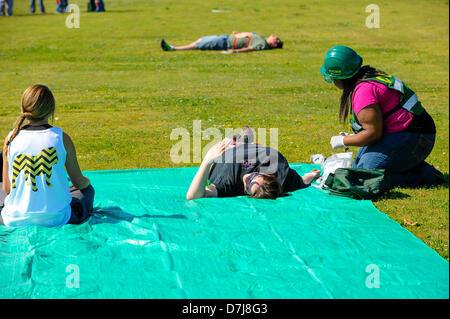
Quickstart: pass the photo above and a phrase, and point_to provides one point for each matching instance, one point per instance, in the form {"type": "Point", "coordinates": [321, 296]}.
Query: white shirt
{"type": "Point", "coordinates": [39, 186]}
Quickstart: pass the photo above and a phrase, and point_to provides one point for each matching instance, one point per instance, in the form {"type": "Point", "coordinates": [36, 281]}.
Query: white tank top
{"type": "Point", "coordinates": [39, 188]}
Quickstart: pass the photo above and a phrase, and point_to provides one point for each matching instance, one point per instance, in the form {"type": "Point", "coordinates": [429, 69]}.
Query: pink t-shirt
{"type": "Point", "coordinates": [367, 93]}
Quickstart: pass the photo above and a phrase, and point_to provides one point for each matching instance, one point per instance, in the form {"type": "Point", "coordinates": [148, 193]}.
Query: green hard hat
{"type": "Point", "coordinates": [341, 62]}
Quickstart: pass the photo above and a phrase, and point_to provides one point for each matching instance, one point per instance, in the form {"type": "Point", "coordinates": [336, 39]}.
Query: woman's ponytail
{"type": "Point", "coordinates": [16, 130]}
{"type": "Point", "coordinates": [364, 73]}
{"type": "Point", "coordinates": [38, 103]}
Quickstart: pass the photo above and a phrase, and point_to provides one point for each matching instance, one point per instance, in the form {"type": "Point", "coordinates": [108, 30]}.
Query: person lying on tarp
{"type": "Point", "coordinates": [237, 42]}
{"type": "Point", "coordinates": [237, 166]}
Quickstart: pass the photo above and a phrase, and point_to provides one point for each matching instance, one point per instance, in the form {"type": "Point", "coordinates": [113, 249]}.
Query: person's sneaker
{"type": "Point", "coordinates": [439, 178]}
{"type": "Point", "coordinates": [431, 176]}
{"type": "Point", "coordinates": [165, 46]}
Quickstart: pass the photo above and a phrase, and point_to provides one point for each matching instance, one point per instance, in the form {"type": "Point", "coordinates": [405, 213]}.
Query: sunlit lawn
{"type": "Point", "coordinates": [119, 96]}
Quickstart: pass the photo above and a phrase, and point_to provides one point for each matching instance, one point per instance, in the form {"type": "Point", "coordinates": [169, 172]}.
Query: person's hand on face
{"type": "Point", "coordinates": [217, 150]}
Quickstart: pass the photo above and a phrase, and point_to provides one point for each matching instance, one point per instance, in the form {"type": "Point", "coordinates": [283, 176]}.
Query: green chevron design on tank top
{"type": "Point", "coordinates": [33, 166]}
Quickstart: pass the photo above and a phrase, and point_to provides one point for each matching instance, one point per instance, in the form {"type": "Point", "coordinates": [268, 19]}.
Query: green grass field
{"type": "Point", "coordinates": [119, 96]}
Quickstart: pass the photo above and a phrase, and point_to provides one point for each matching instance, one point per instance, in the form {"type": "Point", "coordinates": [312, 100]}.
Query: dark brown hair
{"type": "Point", "coordinates": [279, 43]}
{"type": "Point", "coordinates": [349, 86]}
{"type": "Point", "coordinates": [270, 188]}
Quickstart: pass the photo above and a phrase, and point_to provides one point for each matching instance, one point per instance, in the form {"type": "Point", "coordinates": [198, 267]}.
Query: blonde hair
{"type": "Point", "coordinates": [38, 104]}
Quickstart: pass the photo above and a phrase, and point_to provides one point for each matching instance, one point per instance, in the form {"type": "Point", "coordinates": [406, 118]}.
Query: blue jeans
{"type": "Point", "coordinates": [403, 156]}
{"type": "Point", "coordinates": [33, 4]}
{"type": "Point", "coordinates": [213, 42]}
{"type": "Point", "coordinates": [81, 205]}
{"type": "Point", "coordinates": [10, 7]}
{"type": "Point", "coordinates": [62, 6]}
{"type": "Point", "coordinates": [101, 6]}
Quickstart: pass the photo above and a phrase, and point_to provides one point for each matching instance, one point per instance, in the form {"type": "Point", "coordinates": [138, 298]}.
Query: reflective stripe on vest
{"type": "Point", "coordinates": [356, 127]}
{"type": "Point", "coordinates": [398, 84]}
{"type": "Point", "coordinates": [411, 102]}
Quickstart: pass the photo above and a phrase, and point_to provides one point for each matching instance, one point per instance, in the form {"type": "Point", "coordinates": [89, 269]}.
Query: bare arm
{"type": "Point", "coordinates": [5, 180]}
{"type": "Point", "coordinates": [198, 187]}
{"type": "Point", "coordinates": [371, 119]}
{"type": "Point", "coordinates": [249, 49]}
{"type": "Point", "coordinates": [72, 167]}
{"type": "Point", "coordinates": [239, 35]}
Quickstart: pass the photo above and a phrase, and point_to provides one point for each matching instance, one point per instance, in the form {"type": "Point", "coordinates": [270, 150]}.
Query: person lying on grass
{"type": "Point", "coordinates": [238, 166]}
{"type": "Point", "coordinates": [35, 159]}
{"type": "Point", "coordinates": [237, 42]}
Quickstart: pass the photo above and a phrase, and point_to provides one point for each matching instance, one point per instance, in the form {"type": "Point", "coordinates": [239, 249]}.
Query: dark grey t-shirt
{"type": "Point", "coordinates": [228, 171]}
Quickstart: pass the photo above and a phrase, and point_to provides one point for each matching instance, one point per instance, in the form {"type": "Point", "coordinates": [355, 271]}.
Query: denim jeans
{"type": "Point", "coordinates": [403, 156]}
{"type": "Point", "coordinates": [100, 6]}
{"type": "Point", "coordinates": [81, 205]}
{"type": "Point", "coordinates": [213, 42]}
{"type": "Point", "coordinates": [33, 5]}
{"type": "Point", "coordinates": [10, 6]}
{"type": "Point", "coordinates": [61, 6]}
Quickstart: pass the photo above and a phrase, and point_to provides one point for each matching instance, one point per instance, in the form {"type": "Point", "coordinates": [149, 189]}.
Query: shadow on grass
{"type": "Point", "coordinates": [397, 194]}
{"type": "Point", "coordinates": [82, 10]}
{"type": "Point", "coordinates": [446, 181]}
{"type": "Point", "coordinates": [117, 11]}
{"type": "Point", "coordinates": [27, 15]}
{"type": "Point", "coordinates": [443, 184]}
{"type": "Point", "coordinates": [392, 195]}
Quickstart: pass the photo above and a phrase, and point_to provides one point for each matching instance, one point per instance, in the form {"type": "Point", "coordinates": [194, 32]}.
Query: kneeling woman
{"type": "Point", "coordinates": [392, 129]}
{"type": "Point", "coordinates": [34, 178]}
{"type": "Point", "coordinates": [246, 169]}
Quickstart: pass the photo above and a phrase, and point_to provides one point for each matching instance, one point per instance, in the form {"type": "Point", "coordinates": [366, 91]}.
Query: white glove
{"type": "Point", "coordinates": [337, 142]}
{"type": "Point", "coordinates": [345, 134]}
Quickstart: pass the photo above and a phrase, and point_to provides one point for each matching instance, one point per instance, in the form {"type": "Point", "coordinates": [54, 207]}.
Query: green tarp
{"type": "Point", "coordinates": [146, 241]}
